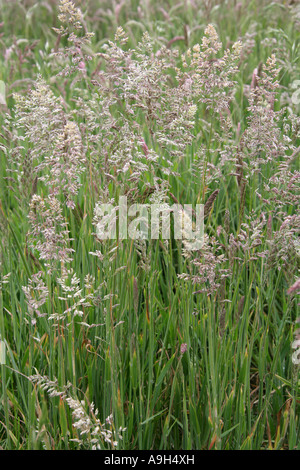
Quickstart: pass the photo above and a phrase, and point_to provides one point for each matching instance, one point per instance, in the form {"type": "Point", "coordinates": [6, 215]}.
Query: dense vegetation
{"type": "Point", "coordinates": [149, 344]}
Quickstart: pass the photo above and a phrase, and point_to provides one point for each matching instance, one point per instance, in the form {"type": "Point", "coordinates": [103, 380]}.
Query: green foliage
{"type": "Point", "coordinates": [118, 344]}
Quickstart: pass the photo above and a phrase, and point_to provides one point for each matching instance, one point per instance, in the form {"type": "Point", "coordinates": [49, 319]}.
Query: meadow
{"type": "Point", "coordinates": [149, 344]}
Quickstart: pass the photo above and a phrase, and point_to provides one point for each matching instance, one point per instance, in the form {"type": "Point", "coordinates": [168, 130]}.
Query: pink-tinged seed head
{"type": "Point", "coordinates": [183, 348]}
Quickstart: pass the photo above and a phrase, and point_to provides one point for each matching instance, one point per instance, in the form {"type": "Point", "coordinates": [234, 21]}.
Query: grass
{"type": "Point", "coordinates": [235, 387]}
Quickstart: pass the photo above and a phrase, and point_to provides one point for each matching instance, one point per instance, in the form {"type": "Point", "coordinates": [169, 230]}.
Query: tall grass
{"type": "Point", "coordinates": [114, 344]}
